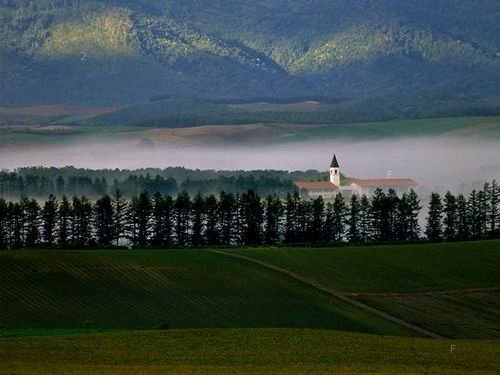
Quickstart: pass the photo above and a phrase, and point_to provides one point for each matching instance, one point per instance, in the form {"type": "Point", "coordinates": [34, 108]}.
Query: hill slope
{"type": "Point", "coordinates": [121, 51]}
{"type": "Point", "coordinates": [148, 289]}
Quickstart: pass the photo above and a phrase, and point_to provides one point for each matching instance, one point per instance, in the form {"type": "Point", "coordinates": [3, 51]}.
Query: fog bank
{"type": "Point", "coordinates": [432, 162]}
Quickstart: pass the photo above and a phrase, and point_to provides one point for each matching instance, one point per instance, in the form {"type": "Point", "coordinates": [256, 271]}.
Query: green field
{"type": "Point", "coordinates": [395, 268]}
{"type": "Point", "coordinates": [244, 351]}
{"type": "Point", "coordinates": [251, 310]}
{"type": "Point", "coordinates": [451, 289]}
{"type": "Point", "coordinates": [150, 289]}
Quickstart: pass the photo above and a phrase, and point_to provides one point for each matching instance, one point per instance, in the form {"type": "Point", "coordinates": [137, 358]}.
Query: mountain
{"type": "Point", "coordinates": [112, 52]}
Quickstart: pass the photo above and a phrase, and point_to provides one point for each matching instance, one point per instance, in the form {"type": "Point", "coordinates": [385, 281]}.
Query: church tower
{"type": "Point", "coordinates": [335, 172]}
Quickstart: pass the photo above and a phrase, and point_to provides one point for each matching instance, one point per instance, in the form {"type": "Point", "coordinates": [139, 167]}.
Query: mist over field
{"type": "Point", "coordinates": [434, 163]}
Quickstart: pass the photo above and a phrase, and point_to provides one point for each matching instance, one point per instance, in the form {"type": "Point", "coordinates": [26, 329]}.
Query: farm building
{"type": "Point", "coordinates": [328, 189]}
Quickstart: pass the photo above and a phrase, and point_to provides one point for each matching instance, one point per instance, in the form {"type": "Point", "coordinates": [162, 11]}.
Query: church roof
{"type": "Point", "coordinates": [380, 182]}
{"type": "Point", "coordinates": [316, 185]}
{"type": "Point", "coordinates": [334, 163]}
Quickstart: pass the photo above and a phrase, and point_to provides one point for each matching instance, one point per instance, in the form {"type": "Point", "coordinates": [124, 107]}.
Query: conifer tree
{"type": "Point", "coordinates": [317, 220]}
{"type": "Point", "coordinates": [49, 217]}
{"type": "Point", "coordinates": [339, 219]}
{"type": "Point", "coordinates": [484, 208]}
{"type": "Point", "coordinates": [450, 217]}
{"type": "Point", "coordinates": [252, 218]}
{"type": "Point", "coordinates": [273, 213]}
{"type": "Point", "coordinates": [303, 221]}
{"type": "Point", "coordinates": [463, 227]}
{"type": "Point", "coordinates": [354, 219]}
{"type": "Point", "coordinates": [414, 208]}
{"type": "Point", "coordinates": [494, 214]}
{"type": "Point", "coordinates": [4, 225]}
{"type": "Point", "coordinates": [434, 227]}
{"type": "Point", "coordinates": [104, 224]}
{"type": "Point", "coordinates": [212, 215]}
{"type": "Point", "coordinates": [81, 221]}
{"type": "Point", "coordinates": [365, 219]}
{"type": "Point", "coordinates": [291, 218]}
{"type": "Point", "coordinates": [32, 222]}
{"type": "Point", "coordinates": [198, 221]}
{"type": "Point", "coordinates": [16, 225]}
{"type": "Point", "coordinates": [474, 215]}
{"type": "Point", "coordinates": [182, 214]}
{"type": "Point", "coordinates": [120, 214]}
{"type": "Point", "coordinates": [378, 215]}
{"type": "Point", "coordinates": [227, 217]}
{"type": "Point", "coordinates": [64, 218]}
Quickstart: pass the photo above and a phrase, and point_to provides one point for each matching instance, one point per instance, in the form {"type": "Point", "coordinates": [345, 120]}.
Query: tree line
{"type": "Point", "coordinates": [162, 221]}
{"type": "Point", "coordinates": [14, 184]}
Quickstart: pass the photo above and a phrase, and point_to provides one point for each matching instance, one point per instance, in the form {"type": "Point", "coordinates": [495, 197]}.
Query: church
{"type": "Point", "coordinates": [328, 189]}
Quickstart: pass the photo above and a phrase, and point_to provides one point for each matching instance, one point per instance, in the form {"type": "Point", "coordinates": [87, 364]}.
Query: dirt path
{"type": "Point", "coordinates": [447, 292]}
{"type": "Point", "coordinates": [337, 295]}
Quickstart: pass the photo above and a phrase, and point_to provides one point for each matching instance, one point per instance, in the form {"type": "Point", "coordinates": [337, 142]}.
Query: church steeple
{"type": "Point", "coordinates": [335, 163]}
{"type": "Point", "coordinates": [335, 171]}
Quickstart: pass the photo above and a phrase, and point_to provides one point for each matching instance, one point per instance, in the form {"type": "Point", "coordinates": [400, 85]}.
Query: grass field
{"type": "Point", "coordinates": [395, 268]}
{"type": "Point", "coordinates": [119, 311]}
{"type": "Point", "coordinates": [244, 351]}
{"type": "Point", "coordinates": [148, 289]}
{"type": "Point", "coordinates": [451, 289]}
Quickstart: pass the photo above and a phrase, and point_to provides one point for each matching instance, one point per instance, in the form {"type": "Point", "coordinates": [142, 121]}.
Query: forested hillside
{"type": "Point", "coordinates": [124, 51]}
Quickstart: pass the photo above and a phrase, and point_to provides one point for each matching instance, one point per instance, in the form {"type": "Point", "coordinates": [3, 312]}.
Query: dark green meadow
{"type": "Point", "coordinates": [147, 289]}
{"type": "Point", "coordinates": [452, 289]}
{"type": "Point", "coordinates": [394, 268]}
{"type": "Point", "coordinates": [197, 311]}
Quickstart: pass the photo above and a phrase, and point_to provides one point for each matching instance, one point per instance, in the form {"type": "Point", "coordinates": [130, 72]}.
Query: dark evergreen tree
{"type": "Point", "coordinates": [212, 225]}
{"type": "Point", "coordinates": [474, 215]}
{"type": "Point", "coordinates": [104, 224]}
{"type": "Point", "coordinates": [390, 216]}
{"type": "Point", "coordinates": [81, 221]}
{"type": "Point", "coordinates": [252, 215]}
{"type": "Point", "coordinates": [227, 217]}
{"type": "Point", "coordinates": [32, 221]}
{"type": "Point", "coordinates": [16, 225]}
{"type": "Point", "coordinates": [463, 225]}
{"type": "Point", "coordinates": [365, 219]}
{"type": "Point", "coordinates": [434, 227]}
{"type": "Point", "coordinates": [317, 225]}
{"type": "Point", "coordinates": [273, 220]}
{"type": "Point", "coordinates": [450, 219]}
{"type": "Point", "coordinates": [291, 218]}
{"type": "Point", "coordinates": [403, 218]}
{"type": "Point", "coordinates": [141, 210]}
{"type": "Point", "coordinates": [304, 219]}
{"type": "Point", "coordinates": [484, 208]}
{"type": "Point", "coordinates": [182, 214]}
{"type": "Point", "coordinates": [354, 219]}
{"type": "Point", "coordinates": [378, 215]}
{"type": "Point", "coordinates": [120, 213]}
{"type": "Point", "coordinates": [198, 221]}
{"type": "Point", "coordinates": [49, 218]}
{"type": "Point", "coordinates": [494, 214]}
{"type": "Point", "coordinates": [64, 219]}
{"type": "Point", "coordinates": [4, 225]}
{"type": "Point", "coordinates": [414, 208]}
{"type": "Point", "coordinates": [339, 219]}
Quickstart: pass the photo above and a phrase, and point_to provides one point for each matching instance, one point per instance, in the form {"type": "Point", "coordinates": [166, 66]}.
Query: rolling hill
{"type": "Point", "coordinates": [122, 52]}
{"type": "Point", "coordinates": [313, 288]}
